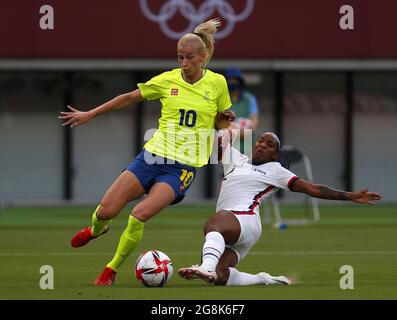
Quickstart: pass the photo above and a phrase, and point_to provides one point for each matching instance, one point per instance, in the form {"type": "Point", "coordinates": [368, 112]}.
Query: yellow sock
{"type": "Point", "coordinates": [98, 225]}
{"type": "Point", "coordinates": [129, 240]}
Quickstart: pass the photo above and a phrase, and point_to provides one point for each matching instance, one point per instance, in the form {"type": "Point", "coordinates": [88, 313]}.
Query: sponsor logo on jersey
{"type": "Point", "coordinates": [260, 171]}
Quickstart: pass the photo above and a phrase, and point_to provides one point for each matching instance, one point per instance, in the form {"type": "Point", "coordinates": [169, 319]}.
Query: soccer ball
{"type": "Point", "coordinates": [153, 268]}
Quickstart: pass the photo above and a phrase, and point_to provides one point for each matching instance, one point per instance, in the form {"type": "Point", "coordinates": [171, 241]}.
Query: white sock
{"type": "Point", "coordinates": [213, 249]}
{"type": "Point", "coordinates": [237, 278]}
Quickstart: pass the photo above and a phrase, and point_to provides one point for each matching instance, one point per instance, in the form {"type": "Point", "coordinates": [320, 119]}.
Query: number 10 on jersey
{"type": "Point", "coordinates": [188, 118]}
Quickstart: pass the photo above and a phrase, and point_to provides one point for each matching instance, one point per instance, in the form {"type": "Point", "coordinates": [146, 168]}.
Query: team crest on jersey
{"type": "Point", "coordinates": [174, 92]}
{"type": "Point", "coordinates": [206, 96]}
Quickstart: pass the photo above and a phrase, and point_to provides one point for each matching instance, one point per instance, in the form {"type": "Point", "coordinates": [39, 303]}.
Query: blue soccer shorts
{"type": "Point", "coordinates": [150, 169]}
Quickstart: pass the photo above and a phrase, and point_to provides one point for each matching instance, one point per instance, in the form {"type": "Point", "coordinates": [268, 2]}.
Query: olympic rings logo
{"type": "Point", "coordinates": [195, 17]}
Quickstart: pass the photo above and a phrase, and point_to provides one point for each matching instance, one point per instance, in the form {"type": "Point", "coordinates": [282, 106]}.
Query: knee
{"type": "Point", "coordinates": [222, 275]}
{"type": "Point", "coordinates": [212, 225]}
{"type": "Point", "coordinates": [106, 211]}
{"type": "Point", "coordinates": [142, 212]}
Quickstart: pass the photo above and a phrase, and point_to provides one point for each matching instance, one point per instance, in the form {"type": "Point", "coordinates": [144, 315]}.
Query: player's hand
{"type": "Point", "coordinates": [75, 117]}
{"type": "Point", "coordinates": [223, 119]}
{"type": "Point", "coordinates": [365, 197]}
{"type": "Point", "coordinates": [228, 115]}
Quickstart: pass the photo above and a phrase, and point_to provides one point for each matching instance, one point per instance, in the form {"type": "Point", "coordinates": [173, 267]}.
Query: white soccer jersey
{"type": "Point", "coordinates": [246, 186]}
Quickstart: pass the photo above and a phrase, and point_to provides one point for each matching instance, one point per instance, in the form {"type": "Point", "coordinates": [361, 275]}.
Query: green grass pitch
{"type": "Point", "coordinates": [361, 236]}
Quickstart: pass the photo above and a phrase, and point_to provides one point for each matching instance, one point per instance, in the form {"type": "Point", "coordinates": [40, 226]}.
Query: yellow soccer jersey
{"type": "Point", "coordinates": [186, 125]}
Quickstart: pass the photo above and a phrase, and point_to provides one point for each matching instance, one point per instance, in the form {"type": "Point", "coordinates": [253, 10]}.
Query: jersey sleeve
{"type": "Point", "coordinates": [283, 178]}
{"type": "Point", "coordinates": [152, 89]}
{"type": "Point", "coordinates": [223, 101]}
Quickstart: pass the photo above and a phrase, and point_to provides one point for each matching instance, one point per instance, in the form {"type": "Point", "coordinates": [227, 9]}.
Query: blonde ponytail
{"type": "Point", "coordinates": [206, 31]}
{"type": "Point", "coordinates": [203, 37]}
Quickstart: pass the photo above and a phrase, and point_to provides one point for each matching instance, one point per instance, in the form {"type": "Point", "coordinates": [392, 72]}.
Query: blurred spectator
{"type": "Point", "coordinates": [244, 105]}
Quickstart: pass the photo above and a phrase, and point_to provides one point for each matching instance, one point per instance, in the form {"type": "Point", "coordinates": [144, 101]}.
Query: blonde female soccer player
{"type": "Point", "coordinates": [194, 100]}
{"type": "Point", "coordinates": [236, 226]}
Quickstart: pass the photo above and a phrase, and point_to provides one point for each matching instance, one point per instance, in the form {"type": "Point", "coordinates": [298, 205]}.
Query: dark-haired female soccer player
{"type": "Point", "coordinates": [194, 100]}
{"type": "Point", "coordinates": [236, 226]}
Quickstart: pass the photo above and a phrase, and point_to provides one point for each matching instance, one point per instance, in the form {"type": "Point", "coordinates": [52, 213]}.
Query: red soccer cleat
{"type": "Point", "coordinates": [106, 278]}
{"type": "Point", "coordinates": [84, 236]}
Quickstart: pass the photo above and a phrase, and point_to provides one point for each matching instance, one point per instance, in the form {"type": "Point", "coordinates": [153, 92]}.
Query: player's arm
{"type": "Point", "coordinates": [76, 117]}
{"type": "Point", "coordinates": [323, 192]}
{"type": "Point", "coordinates": [225, 138]}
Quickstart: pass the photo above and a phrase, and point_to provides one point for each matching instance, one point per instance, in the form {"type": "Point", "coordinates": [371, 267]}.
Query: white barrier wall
{"type": "Point", "coordinates": [375, 133]}
{"type": "Point", "coordinates": [30, 157]}
{"type": "Point", "coordinates": [104, 146]}
{"type": "Point", "coordinates": [314, 122]}
{"type": "Point", "coordinates": [30, 137]}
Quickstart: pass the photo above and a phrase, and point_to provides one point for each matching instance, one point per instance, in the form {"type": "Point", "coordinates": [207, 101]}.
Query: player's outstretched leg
{"type": "Point", "coordinates": [160, 196]}
{"type": "Point", "coordinates": [228, 275]}
{"type": "Point", "coordinates": [125, 188]}
{"type": "Point", "coordinates": [85, 235]}
{"type": "Point", "coordinates": [213, 248]}
{"type": "Point", "coordinates": [238, 278]}
{"type": "Point", "coordinates": [222, 227]}
{"type": "Point", "coordinates": [129, 239]}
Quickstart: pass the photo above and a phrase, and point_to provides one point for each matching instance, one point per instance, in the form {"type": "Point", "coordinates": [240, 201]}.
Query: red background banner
{"type": "Point", "coordinates": [274, 29]}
